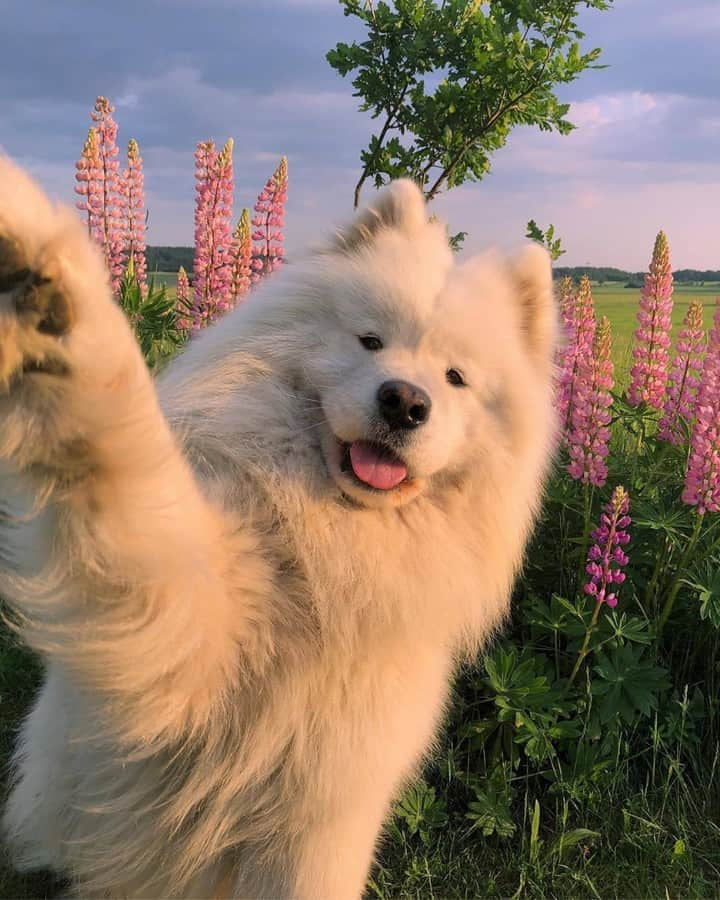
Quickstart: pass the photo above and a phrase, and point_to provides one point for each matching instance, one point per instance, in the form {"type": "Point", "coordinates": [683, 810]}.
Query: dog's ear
{"type": "Point", "coordinates": [531, 273]}
{"type": "Point", "coordinates": [400, 205]}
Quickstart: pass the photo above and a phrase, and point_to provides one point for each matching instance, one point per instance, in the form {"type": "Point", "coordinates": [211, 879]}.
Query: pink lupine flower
{"type": "Point", "coordinates": [212, 266]}
{"type": "Point", "coordinates": [114, 236]}
{"type": "Point", "coordinates": [606, 556]}
{"type": "Point", "coordinates": [242, 257]}
{"type": "Point", "coordinates": [702, 479]}
{"type": "Point", "coordinates": [567, 351]}
{"type": "Point", "coordinates": [580, 316]}
{"type": "Point", "coordinates": [586, 321]}
{"type": "Point", "coordinates": [133, 190]}
{"type": "Point", "coordinates": [182, 302]}
{"type": "Point", "coordinates": [652, 339]}
{"type": "Point", "coordinates": [685, 376]}
{"type": "Point", "coordinates": [268, 221]}
{"type": "Point", "coordinates": [89, 178]}
{"type": "Point", "coordinates": [589, 434]}
{"type": "Point", "coordinates": [205, 168]}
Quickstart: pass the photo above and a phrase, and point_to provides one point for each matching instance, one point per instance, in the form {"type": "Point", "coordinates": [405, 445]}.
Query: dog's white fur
{"type": "Point", "coordinates": [247, 652]}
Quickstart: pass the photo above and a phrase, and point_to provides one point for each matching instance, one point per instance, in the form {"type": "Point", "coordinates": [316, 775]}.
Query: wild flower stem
{"type": "Point", "coordinates": [584, 649]}
{"type": "Point", "coordinates": [588, 491]}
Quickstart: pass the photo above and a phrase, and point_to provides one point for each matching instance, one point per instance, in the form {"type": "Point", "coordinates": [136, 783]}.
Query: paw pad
{"type": "Point", "coordinates": [13, 270]}
{"type": "Point", "coordinates": [43, 301]}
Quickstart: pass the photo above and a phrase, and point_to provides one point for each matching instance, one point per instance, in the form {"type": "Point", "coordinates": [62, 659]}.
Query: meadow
{"type": "Point", "coordinates": [620, 305]}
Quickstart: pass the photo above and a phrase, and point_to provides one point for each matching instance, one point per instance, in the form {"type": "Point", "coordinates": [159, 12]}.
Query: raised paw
{"type": "Point", "coordinates": [71, 372]}
{"type": "Point", "coordinates": [34, 311]}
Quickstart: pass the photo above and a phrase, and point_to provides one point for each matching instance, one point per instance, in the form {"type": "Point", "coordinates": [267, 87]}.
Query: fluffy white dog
{"type": "Point", "coordinates": [250, 581]}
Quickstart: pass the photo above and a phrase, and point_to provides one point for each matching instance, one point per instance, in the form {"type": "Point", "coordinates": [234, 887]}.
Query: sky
{"type": "Point", "coordinates": [645, 154]}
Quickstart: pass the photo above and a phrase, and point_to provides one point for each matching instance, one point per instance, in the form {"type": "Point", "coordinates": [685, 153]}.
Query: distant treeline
{"type": "Point", "coordinates": [633, 279]}
{"type": "Point", "coordinates": [169, 259]}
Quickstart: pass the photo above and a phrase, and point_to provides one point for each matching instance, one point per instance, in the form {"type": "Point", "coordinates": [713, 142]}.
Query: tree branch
{"type": "Point", "coordinates": [371, 162]}
{"type": "Point", "coordinates": [502, 110]}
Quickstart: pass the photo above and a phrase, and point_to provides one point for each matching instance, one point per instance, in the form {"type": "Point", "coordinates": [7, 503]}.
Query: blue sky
{"type": "Point", "coordinates": [646, 154]}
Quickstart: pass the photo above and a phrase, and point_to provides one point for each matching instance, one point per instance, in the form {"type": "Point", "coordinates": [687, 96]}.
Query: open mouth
{"type": "Point", "coordinates": [373, 465]}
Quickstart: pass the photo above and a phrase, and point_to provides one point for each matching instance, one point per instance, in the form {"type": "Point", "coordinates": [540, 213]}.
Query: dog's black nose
{"type": "Point", "coordinates": [403, 405]}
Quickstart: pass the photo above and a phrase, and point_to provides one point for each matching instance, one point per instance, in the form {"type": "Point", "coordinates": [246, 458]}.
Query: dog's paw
{"type": "Point", "coordinates": [35, 312]}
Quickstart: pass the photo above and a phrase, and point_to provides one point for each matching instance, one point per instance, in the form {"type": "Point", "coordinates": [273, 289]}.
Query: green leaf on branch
{"type": "Point", "coordinates": [494, 66]}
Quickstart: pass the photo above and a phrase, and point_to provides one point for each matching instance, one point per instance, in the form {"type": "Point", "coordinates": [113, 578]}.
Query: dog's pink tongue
{"type": "Point", "coordinates": [375, 468]}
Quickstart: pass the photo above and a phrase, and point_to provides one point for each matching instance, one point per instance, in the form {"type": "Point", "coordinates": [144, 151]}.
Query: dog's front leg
{"type": "Point", "coordinates": [132, 593]}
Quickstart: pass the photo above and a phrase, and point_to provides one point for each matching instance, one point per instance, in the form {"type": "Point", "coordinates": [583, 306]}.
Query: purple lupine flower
{"type": "Point", "coordinates": [589, 434]}
{"type": "Point", "coordinates": [685, 376]}
{"type": "Point", "coordinates": [182, 302]}
{"type": "Point", "coordinates": [606, 556]}
{"type": "Point", "coordinates": [133, 189]}
{"type": "Point", "coordinates": [212, 267]}
{"type": "Point", "coordinates": [652, 339]}
{"type": "Point", "coordinates": [702, 479]}
{"type": "Point", "coordinates": [268, 221]}
{"type": "Point", "coordinates": [242, 257]}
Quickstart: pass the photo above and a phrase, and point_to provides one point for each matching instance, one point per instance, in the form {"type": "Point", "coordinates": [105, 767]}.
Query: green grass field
{"type": "Point", "coordinates": [620, 305]}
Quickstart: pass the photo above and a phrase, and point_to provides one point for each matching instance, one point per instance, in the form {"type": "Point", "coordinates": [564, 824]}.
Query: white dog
{"type": "Point", "coordinates": [250, 592]}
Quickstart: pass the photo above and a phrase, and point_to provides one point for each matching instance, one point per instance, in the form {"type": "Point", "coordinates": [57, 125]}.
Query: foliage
{"type": "Point", "coordinates": [153, 317]}
{"type": "Point", "coordinates": [546, 238]}
{"type": "Point", "coordinates": [449, 80]}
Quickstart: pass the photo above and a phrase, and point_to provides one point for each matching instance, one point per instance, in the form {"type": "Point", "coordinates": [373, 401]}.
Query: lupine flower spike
{"type": "Point", "coordinates": [205, 167]}
{"type": "Point", "coordinates": [242, 257]}
{"type": "Point", "coordinates": [113, 238]}
{"type": "Point", "coordinates": [583, 324]}
{"type": "Point", "coordinates": [606, 556]}
{"type": "Point", "coordinates": [133, 188]}
{"type": "Point", "coordinates": [702, 479]}
{"type": "Point", "coordinates": [89, 185]}
{"type": "Point", "coordinates": [182, 302]}
{"type": "Point", "coordinates": [589, 436]}
{"type": "Point", "coordinates": [566, 353]}
{"type": "Point", "coordinates": [648, 374]}
{"type": "Point", "coordinates": [212, 266]}
{"type": "Point", "coordinates": [685, 377]}
{"type": "Point", "coordinates": [586, 321]}
{"type": "Point", "coordinates": [268, 220]}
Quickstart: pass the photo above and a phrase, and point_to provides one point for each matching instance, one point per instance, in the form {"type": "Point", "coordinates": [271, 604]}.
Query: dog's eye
{"type": "Point", "coordinates": [371, 342]}
{"type": "Point", "coordinates": [455, 378]}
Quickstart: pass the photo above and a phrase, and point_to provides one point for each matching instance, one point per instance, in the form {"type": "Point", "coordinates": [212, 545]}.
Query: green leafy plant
{"type": "Point", "coordinates": [153, 317]}
{"type": "Point", "coordinates": [421, 810]}
{"type": "Point", "coordinates": [491, 810]}
{"type": "Point", "coordinates": [546, 238]}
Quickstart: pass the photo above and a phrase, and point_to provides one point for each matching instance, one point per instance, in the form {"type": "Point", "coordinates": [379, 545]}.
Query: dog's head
{"type": "Point", "coordinates": [424, 367]}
